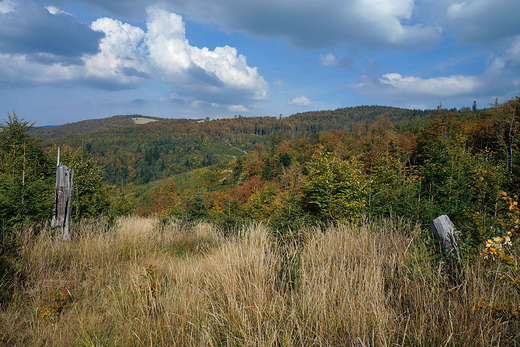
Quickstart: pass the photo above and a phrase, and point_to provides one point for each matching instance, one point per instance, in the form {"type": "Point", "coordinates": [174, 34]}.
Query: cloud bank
{"type": "Point", "coordinates": [303, 23]}
{"type": "Point", "coordinates": [113, 55]}
{"type": "Point", "coordinates": [43, 37]}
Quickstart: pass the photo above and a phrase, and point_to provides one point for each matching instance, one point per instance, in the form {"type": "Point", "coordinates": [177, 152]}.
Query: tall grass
{"type": "Point", "coordinates": [141, 283]}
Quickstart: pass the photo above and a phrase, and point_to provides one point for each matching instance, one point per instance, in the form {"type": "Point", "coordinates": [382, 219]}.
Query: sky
{"type": "Point", "coordinates": [63, 61]}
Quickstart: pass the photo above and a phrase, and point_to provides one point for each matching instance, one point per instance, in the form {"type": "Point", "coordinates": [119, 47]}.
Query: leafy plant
{"type": "Point", "coordinates": [90, 196]}
{"type": "Point", "coordinates": [504, 251]}
{"type": "Point", "coordinates": [53, 304]}
{"type": "Point", "coordinates": [334, 188]}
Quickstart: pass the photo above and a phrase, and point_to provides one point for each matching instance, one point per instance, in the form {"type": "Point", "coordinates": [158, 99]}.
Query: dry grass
{"type": "Point", "coordinates": [138, 284]}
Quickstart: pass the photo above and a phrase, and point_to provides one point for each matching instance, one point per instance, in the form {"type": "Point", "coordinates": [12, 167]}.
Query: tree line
{"type": "Point", "coordinates": [455, 163]}
{"type": "Point", "coordinates": [392, 162]}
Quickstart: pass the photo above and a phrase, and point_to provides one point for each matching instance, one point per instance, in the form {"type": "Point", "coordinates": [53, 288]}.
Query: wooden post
{"type": "Point", "coordinates": [63, 199]}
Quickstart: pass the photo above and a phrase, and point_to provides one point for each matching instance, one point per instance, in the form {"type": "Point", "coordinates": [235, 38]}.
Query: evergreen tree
{"type": "Point", "coordinates": [26, 175]}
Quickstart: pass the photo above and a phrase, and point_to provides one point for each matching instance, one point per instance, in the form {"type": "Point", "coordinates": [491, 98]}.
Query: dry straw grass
{"type": "Point", "coordinates": [373, 284]}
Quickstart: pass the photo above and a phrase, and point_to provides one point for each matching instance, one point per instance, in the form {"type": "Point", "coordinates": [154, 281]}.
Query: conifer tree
{"type": "Point", "coordinates": [26, 175]}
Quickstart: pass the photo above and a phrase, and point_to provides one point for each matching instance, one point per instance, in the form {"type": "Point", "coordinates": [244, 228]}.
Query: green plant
{"type": "Point", "coordinates": [53, 304]}
{"type": "Point", "coordinates": [504, 251]}
{"type": "Point", "coordinates": [26, 175]}
{"type": "Point", "coordinates": [334, 188]}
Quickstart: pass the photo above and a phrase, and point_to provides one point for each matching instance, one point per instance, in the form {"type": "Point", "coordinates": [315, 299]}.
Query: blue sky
{"type": "Point", "coordinates": [63, 61]}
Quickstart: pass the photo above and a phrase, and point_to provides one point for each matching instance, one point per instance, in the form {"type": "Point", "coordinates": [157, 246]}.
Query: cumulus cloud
{"type": "Point", "coordinates": [119, 65]}
{"type": "Point", "coordinates": [300, 101]}
{"type": "Point", "coordinates": [211, 75]}
{"type": "Point", "coordinates": [497, 79]}
{"type": "Point", "coordinates": [113, 55]}
{"type": "Point", "coordinates": [238, 108]}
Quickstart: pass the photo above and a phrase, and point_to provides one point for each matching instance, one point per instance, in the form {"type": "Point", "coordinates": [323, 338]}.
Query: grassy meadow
{"type": "Point", "coordinates": [141, 282]}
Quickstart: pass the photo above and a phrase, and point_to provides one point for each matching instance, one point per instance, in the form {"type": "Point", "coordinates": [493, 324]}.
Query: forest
{"type": "Point", "coordinates": [287, 204]}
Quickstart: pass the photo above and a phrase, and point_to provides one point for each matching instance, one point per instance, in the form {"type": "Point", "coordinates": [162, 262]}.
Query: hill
{"type": "Point", "coordinates": [90, 125]}
{"type": "Point", "coordinates": [139, 153]}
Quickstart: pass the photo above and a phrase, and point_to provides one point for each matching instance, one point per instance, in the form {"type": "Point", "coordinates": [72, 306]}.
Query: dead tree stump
{"type": "Point", "coordinates": [442, 228]}
{"type": "Point", "coordinates": [63, 199]}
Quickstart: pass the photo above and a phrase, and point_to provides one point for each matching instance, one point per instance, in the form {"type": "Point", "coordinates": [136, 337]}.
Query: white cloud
{"type": "Point", "coordinates": [238, 108]}
{"type": "Point", "coordinates": [118, 65]}
{"type": "Point", "coordinates": [328, 60]}
{"type": "Point", "coordinates": [438, 86]}
{"type": "Point", "coordinates": [300, 101]}
{"type": "Point", "coordinates": [119, 60]}
{"type": "Point", "coordinates": [6, 6]}
{"type": "Point", "coordinates": [396, 89]}
{"type": "Point", "coordinates": [199, 70]}
{"type": "Point", "coordinates": [331, 60]}
{"type": "Point", "coordinates": [123, 56]}
{"type": "Point", "coordinates": [54, 10]}
{"type": "Point", "coordinates": [166, 42]}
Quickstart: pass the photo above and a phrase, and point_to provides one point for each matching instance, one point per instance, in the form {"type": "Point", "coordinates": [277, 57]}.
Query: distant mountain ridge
{"type": "Point", "coordinates": [87, 126]}
{"type": "Point", "coordinates": [139, 153]}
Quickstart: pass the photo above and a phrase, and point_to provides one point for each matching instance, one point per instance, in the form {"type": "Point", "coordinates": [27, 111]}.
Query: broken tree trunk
{"type": "Point", "coordinates": [63, 199]}
{"type": "Point", "coordinates": [442, 228]}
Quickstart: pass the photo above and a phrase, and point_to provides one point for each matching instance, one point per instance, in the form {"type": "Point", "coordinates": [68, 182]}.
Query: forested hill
{"type": "Point", "coordinates": [90, 125]}
{"type": "Point", "coordinates": [323, 165]}
{"type": "Point", "coordinates": [139, 153]}
{"type": "Point", "coordinates": [346, 118]}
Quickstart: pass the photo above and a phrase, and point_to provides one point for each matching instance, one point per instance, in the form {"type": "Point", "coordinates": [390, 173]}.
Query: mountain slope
{"type": "Point", "coordinates": [90, 125]}
{"type": "Point", "coordinates": [139, 153]}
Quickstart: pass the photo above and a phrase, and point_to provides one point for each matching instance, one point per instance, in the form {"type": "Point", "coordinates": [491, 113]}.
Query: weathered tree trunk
{"type": "Point", "coordinates": [63, 199]}
{"type": "Point", "coordinates": [442, 228]}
